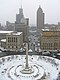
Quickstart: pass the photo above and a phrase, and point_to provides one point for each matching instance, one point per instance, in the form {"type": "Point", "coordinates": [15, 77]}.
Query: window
{"type": "Point", "coordinates": [12, 39]}
{"type": "Point", "coordinates": [12, 46]}
{"type": "Point", "coordinates": [16, 39]}
{"type": "Point", "coordinates": [8, 46]}
{"type": "Point", "coordinates": [8, 39]}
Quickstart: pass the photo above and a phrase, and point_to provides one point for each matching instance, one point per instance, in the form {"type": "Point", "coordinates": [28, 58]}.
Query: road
{"type": "Point", "coordinates": [2, 54]}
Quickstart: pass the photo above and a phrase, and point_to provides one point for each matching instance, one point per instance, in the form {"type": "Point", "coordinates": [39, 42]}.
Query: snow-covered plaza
{"type": "Point", "coordinates": [44, 68]}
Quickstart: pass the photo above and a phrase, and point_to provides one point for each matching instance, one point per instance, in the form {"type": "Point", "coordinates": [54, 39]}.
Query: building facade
{"type": "Point", "coordinates": [3, 34]}
{"type": "Point", "coordinates": [9, 26]}
{"type": "Point", "coordinates": [1, 27]}
{"type": "Point", "coordinates": [22, 28]}
{"type": "Point", "coordinates": [14, 40]}
{"type": "Point", "coordinates": [3, 43]}
{"type": "Point", "coordinates": [40, 20]}
{"type": "Point", "coordinates": [50, 40]}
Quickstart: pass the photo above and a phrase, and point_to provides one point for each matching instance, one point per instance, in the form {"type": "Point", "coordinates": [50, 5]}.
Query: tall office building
{"type": "Point", "coordinates": [22, 24]}
{"type": "Point", "coordinates": [40, 19]}
{"type": "Point", "coordinates": [19, 16]}
{"type": "Point", "coordinates": [20, 19]}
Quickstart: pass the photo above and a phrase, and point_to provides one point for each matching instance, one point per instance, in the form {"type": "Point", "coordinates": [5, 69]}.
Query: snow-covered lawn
{"type": "Point", "coordinates": [43, 67]}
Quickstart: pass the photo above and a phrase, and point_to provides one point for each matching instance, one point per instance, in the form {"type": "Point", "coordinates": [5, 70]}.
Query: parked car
{"type": "Point", "coordinates": [2, 49]}
{"type": "Point", "coordinates": [45, 52]}
{"type": "Point", "coordinates": [22, 50]}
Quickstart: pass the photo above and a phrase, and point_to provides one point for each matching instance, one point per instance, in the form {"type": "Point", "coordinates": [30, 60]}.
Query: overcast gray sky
{"type": "Point", "coordinates": [9, 9]}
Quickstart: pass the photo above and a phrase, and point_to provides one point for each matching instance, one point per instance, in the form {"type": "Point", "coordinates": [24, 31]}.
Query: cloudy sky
{"type": "Point", "coordinates": [9, 9]}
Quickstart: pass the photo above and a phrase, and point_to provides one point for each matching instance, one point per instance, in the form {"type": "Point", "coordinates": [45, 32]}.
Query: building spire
{"type": "Point", "coordinates": [39, 5]}
{"type": "Point", "coordinates": [21, 4]}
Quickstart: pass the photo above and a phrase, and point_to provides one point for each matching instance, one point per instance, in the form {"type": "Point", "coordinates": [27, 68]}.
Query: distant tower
{"type": "Point", "coordinates": [22, 23]}
{"type": "Point", "coordinates": [40, 19]}
{"type": "Point", "coordinates": [20, 15]}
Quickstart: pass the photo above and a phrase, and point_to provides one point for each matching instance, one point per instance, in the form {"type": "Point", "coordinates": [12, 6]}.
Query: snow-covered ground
{"type": "Point", "coordinates": [44, 68]}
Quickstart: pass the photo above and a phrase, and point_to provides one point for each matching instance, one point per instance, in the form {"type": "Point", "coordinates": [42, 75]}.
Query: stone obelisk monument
{"type": "Point", "coordinates": [26, 55]}
{"type": "Point", "coordinates": [27, 69]}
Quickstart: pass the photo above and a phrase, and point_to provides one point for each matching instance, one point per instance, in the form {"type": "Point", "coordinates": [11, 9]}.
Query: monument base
{"type": "Point", "coordinates": [27, 70]}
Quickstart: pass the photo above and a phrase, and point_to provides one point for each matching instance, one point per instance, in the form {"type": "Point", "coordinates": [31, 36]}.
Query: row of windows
{"type": "Point", "coordinates": [12, 47]}
{"type": "Point", "coordinates": [48, 44]}
{"type": "Point", "coordinates": [50, 37]}
{"type": "Point", "coordinates": [50, 40]}
{"type": "Point", "coordinates": [12, 39]}
{"type": "Point", "coordinates": [49, 48]}
{"type": "Point", "coordinates": [12, 44]}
